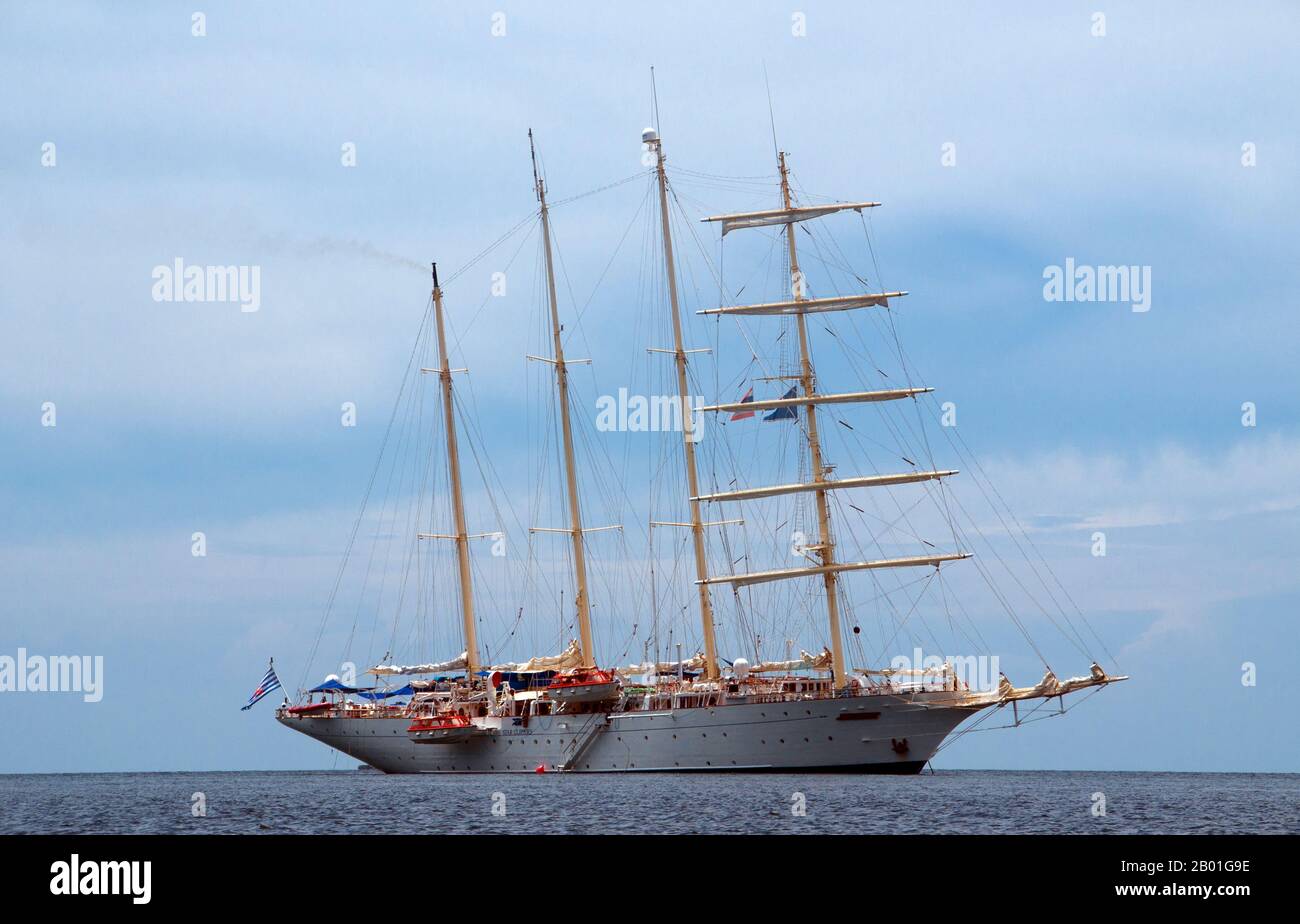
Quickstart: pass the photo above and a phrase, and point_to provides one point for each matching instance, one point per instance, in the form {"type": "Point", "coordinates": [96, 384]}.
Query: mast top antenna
{"type": "Point", "coordinates": [537, 180]}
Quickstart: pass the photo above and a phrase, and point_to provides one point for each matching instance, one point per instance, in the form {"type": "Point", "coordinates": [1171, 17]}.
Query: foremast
{"type": "Point", "coordinates": [824, 565]}
{"type": "Point", "coordinates": [825, 548]}
{"type": "Point", "coordinates": [582, 600]}
{"type": "Point", "coordinates": [689, 437]}
{"type": "Point", "coordinates": [461, 536]}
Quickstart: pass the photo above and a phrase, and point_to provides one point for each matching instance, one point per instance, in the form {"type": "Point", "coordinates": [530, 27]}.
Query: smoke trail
{"type": "Point", "coordinates": [330, 246]}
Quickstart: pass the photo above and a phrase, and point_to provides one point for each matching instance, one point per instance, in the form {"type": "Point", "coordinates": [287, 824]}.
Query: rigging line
{"type": "Point", "coordinates": [1077, 640]}
{"type": "Point", "coordinates": [388, 487]}
{"type": "Point", "coordinates": [413, 563]}
{"type": "Point", "coordinates": [527, 219]}
{"type": "Point", "coordinates": [911, 610]}
{"type": "Point", "coordinates": [978, 643]}
{"type": "Point", "coordinates": [410, 560]}
{"type": "Point", "coordinates": [839, 262]}
{"type": "Point", "coordinates": [1080, 643]}
{"type": "Point", "coordinates": [814, 257]}
{"type": "Point", "coordinates": [888, 417]}
{"type": "Point", "coordinates": [907, 372]}
{"type": "Point", "coordinates": [1051, 572]}
{"type": "Point", "coordinates": [408, 432]}
{"type": "Point", "coordinates": [483, 463]}
{"type": "Point", "coordinates": [692, 231]}
{"type": "Point", "coordinates": [889, 318]}
{"type": "Point", "coordinates": [1006, 605]}
{"type": "Point", "coordinates": [329, 605]}
{"type": "Point", "coordinates": [1027, 720]}
{"type": "Point", "coordinates": [612, 257]}
{"type": "Point", "coordinates": [848, 526]}
{"type": "Point", "coordinates": [459, 336]}
{"type": "Point", "coordinates": [765, 179]}
{"type": "Point", "coordinates": [470, 418]}
{"type": "Point", "coordinates": [946, 496]}
{"type": "Point", "coordinates": [771, 114]}
{"type": "Point", "coordinates": [600, 189]}
{"type": "Point", "coordinates": [654, 99]}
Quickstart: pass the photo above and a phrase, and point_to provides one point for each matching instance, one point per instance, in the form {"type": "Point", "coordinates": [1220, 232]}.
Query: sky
{"type": "Point", "coordinates": [1003, 139]}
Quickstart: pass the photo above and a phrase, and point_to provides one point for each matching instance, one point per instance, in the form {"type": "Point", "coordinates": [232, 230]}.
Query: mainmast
{"type": "Point", "coordinates": [457, 494]}
{"type": "Point", "coordinates": [824, 566]}
{"type": "Point", "coordinates": [688, 421]}
{"type": "Point", "coordinates": [566, 426]}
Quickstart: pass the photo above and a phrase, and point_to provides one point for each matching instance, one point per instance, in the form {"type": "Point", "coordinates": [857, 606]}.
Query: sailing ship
{"type": "Point", "coordinates": [566, 712]}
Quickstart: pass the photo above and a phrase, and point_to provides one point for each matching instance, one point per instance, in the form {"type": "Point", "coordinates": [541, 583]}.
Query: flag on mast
{"type": "Point", "coordinates": [784, 413]}
{"type": "Point", "coordinates": [748, 399]}
{"type": "Point", "coordinates": [269, 683]}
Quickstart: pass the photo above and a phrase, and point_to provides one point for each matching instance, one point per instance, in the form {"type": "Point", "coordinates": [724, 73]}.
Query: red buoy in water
{"type": "Point", "coordinates": [541, 768]}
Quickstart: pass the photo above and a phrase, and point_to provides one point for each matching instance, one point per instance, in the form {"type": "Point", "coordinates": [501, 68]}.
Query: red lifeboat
{"type": "Point", "coordinates": [583, 685]}
{"type": "Point", "coordinates": [445, 728]}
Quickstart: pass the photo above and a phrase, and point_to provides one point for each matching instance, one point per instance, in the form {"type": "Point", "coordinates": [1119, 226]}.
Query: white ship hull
{"type": "Point", "coordinates": [867, 734]}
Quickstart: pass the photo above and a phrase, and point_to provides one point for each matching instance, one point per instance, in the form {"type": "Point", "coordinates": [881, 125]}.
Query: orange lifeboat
{"type": "Point", "coordinates": [447, 728]}
{"type": "Point", "coordinates": [583, 685]}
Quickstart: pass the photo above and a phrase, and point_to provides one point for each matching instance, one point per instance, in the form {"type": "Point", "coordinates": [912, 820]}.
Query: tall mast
{"type": "Point", "coordinates": [825, 546]}
{"type": "Point", "coordinates": [688, 420]}
{"type": "Point", "coordinates": [457, 494]}
{"type": "Point", "coordinates": [800, 306]}
{"type": "Point", "coordinates": [566, 426]}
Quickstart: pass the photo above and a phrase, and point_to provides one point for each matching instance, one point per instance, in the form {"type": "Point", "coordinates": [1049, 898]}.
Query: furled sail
{"type": "Point", "coordinates": [866, 481]}
{"type": "Point", "coordinates": [769, 217]}
{"type": "Point", "coordinates": [1051, 686]}
{"type": "Point", "coordinates": [945, 668]}
{"type": "Point", "coordinates": [818, 662]}
{"type": "Point", "coordinates": [662, 667]}
{"type": "Point", "coordinates": [455, 664]}
{"type": "Point", "coordinates": [760, 577]}
{"type": "Point", "coordinates": [810, 305]}
{"type": "Point", "coordinates": [569, 658]}
{"type": "Point", "coordinates": [851, 397]}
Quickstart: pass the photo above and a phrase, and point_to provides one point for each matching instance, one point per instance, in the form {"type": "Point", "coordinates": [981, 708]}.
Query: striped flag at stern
{"type": "Point", "coordinates": [269, 684]}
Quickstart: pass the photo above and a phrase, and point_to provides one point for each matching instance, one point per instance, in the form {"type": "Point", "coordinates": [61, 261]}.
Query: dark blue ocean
{"type": "Point", "coordinates": [352, 802]}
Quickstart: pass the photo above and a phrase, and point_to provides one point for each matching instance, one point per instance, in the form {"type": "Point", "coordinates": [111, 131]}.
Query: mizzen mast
{"type": "Point", "coordinates": [582, 600]}
{"type": "Point", "coordinates": [457, 493]}
{"type": "Point", "coordinates": [689, 437]}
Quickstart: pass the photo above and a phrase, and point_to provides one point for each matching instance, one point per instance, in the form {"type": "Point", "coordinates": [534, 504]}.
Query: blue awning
{"type": "Point", "coordinates": [407, 690]}
{"type": "Point", "coordinates": [333, 686]}
{"type": "Point", "coordinates": [521, 680]}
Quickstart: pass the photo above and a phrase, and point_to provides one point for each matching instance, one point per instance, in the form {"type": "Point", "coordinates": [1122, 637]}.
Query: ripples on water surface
{"type": "Point", "coordinates": [947, 802]}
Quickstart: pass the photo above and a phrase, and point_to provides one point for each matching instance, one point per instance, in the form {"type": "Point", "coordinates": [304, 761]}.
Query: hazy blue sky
{"type": "Point", "coordinates": [1125, 148]}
